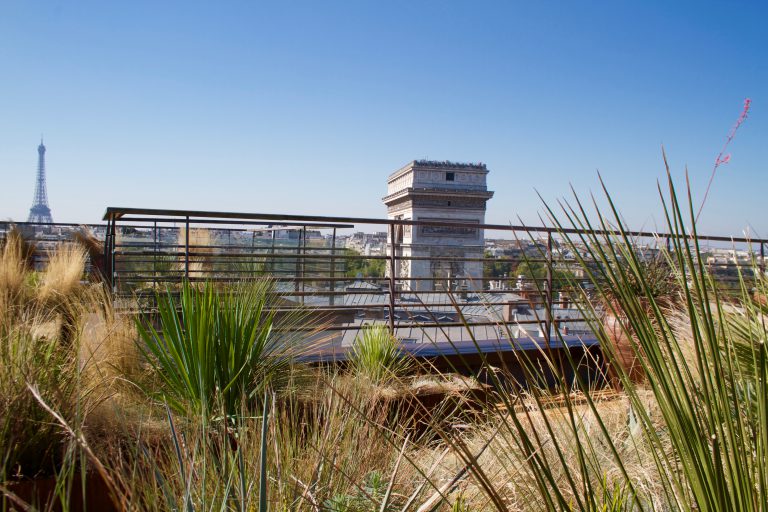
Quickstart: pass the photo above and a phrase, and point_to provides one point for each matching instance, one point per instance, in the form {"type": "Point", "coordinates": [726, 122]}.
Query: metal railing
{"type": "Point", "coordinates": [424, 279]}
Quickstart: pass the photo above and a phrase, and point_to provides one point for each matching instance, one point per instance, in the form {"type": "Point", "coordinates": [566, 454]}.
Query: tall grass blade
{"type": "Point", "coordinates": [263, 477]}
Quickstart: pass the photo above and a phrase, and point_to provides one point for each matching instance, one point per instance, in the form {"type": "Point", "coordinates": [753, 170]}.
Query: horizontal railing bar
{"type": "Point", "coordinates": [324, 225]}
{"type": "Point", "coordinates": [438, 325]}
{"type": "Point", "coordinates": [161, 248]}
{"type": "Point", "coordinates": [136, 275]}
{"type": "Point", "coordinates": [409, 304]}
{"type": "Point", "coordinates": [174, 276]}
{"type": "Point", "coordinates": [293, 257]}
{"type": "Point", "coordinates": [118, 213]}
{"type": "Point", "coordinates": [319, 276]}
{"type": "Point", "coordinates": [413, 325]}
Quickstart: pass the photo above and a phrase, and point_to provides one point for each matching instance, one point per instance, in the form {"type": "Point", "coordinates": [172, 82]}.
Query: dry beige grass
{"type": "Point", "coordinates": [107, 348]}
{"type": "Point", "coordinates": [63, 338]}
{"type": "Point", "coordinates": [505, 464]}
{"type": "Point", "coordinates": [31, 355]}
{"type": "Point", "coordinates": [449, 384]}
{"type": "Point", "coordinates": [85, 237]}
{"type": "Point", "coordinates": [12, 269]}
{"type": "Point", "coordinates": [63, 274]}
{"type": "Point", "coordinates": [316, 451]}
{"type": "Point", "coordinates": [109, 362]}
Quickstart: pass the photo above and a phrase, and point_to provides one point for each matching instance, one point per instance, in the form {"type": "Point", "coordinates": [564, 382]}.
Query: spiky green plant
{"type": "Point", "coordinates": [696, 434]}
{"type": "Point", "coordinates": [718, 458]}
{"type": "Point", "coordinates": [377, 355]}
{"type": "Point", "coordinates": [217, 345]}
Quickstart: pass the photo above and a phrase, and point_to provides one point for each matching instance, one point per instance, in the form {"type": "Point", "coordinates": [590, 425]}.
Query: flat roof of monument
{"type": "Point", "coordinates": [446, 165]}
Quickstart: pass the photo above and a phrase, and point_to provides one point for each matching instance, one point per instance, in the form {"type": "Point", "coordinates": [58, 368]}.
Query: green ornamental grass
{"type": "Point", "coordinates": [377, 355]}
{"type": "Point", "coordinates": [213, 346]}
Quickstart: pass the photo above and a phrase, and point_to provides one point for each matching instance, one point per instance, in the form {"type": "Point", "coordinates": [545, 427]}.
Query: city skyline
{"type": "Point", "coordinates": [297, 110]}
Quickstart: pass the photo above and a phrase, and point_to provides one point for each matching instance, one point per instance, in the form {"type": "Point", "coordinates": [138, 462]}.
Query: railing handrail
{"type": "Point", "coordinates": [201, 217]}
{"type": "Point", "coordinates": [314, 273]}
{"type": "Point", "coordinates": [329, 222]}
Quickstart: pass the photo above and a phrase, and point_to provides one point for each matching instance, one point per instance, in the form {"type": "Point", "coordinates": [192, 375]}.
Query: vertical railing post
{"type": "Point", "coordinates": [762, 258]}
{"type": "Point", "coordinates": [112, 258]}
{"type": "Point", "coordinates": [297, 268]}
{"type": "Point", "coordinates": [107, 263]}
{"type": "Point", "coordinates": [392, 266]}
{"type": "Point", "coordinates": [550, 279]}
{"type": "Point", "coordinates": [332, 283]}
{"type": "Point", "coordinates": [186, 247]}
{"type": "Point", "coordinates": [154, 255]}
{"type": "Point", "coordinates": [303, 260]}
{"type": "Point", "coordinates": [251, 262]}
{"type": "Point", "coordinates": [107, 249]}
{"type": "Point", "coordinates": [271, 253]}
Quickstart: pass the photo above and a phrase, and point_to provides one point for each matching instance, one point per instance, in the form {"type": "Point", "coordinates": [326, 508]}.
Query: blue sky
{"type": "Point", "coordinates": [306, 107]}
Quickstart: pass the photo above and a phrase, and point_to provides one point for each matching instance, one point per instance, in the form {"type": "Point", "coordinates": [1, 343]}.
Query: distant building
{"type": "Point", "coordinates": [283, 233]}
{"type": "Point", "coordinates": [438, 192]}
{"type": "Point", "coordinates": [40, 212]}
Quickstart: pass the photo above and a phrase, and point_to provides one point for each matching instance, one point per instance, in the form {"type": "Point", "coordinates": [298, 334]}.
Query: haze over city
{"type": "Point", "coordinates": [307, 107]}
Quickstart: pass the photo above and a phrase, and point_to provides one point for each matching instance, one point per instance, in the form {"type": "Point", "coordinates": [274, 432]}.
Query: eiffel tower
{"type": "Point", "coordinates": [40, 212]}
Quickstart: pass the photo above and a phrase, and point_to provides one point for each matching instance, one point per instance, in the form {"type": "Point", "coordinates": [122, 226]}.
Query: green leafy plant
{"type": "Point", "coordinates": [216, 346]}
{"type": "Point", "coordinates": [460, 505]}
{"type": "Point", "coordinates": [692, 436]}
{"type": "Point", "coordinates": [377, 355]}
{"type": "Point", "coordinates": [654, 279]}
{"type": "Point", "coordinates": [368, 496]}
{"type": "Point", "coordinates": [700, 419]}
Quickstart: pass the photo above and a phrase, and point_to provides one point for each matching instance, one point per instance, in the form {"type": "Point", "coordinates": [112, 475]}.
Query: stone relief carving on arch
{"type": "Point", "coordinates": [405, 268]}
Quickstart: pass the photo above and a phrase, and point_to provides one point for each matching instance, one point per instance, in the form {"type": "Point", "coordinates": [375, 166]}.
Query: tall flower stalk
{"type": "Point", "coordinates": [723, 157]}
